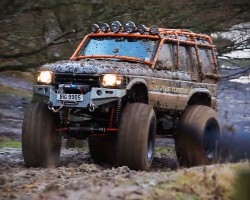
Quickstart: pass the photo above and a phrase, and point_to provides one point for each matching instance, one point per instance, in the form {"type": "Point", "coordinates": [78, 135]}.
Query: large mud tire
{"type": "Point", "coordinates": [198, 134]}
{"type": "Point", "coordinates": [41, 146]}
{"type": "Point", "coordinates": [103, 148]}
{"type": "Point", "coordinates": [136, 137]}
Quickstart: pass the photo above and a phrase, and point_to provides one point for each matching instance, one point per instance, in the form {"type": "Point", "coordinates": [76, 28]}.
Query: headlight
{"type": "Point", "coordinates": [45, 77]}
{"type": "Point", "coordinates": [111, 80]}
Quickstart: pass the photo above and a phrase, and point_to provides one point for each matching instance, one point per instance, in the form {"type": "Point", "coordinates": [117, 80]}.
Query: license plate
{"type": "Point", "coordinates": [70, 97]}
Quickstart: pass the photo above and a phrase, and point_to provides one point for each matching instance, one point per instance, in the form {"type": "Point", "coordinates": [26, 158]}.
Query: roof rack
{"type": "Point", "coordinates": [129, 27]}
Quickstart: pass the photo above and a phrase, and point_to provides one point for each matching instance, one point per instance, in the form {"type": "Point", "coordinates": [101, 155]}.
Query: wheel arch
{"type": "Point", "coordinates": [200, 97]}
{"type": "Point", "coordinates": [138, 90]}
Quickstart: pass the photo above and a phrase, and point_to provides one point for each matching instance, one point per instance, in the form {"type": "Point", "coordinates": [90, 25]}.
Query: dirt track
{"type": "Point", "coordinates": [79, 178]}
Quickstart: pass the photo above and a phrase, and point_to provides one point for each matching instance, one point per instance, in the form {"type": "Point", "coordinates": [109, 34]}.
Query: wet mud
{"type": "Point", "coordinates": [78, 177]}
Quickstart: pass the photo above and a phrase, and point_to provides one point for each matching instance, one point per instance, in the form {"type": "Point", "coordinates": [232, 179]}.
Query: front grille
{"type": "Point", "coordinates": [85, 79]}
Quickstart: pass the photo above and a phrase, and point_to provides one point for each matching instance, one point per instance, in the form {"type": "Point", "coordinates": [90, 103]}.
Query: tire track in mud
{"type": "Point", "coordinates": [78, 177]}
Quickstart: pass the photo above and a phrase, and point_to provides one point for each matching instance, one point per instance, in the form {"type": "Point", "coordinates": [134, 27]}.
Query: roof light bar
{"type": "Point", "coordinates": [128, 27]}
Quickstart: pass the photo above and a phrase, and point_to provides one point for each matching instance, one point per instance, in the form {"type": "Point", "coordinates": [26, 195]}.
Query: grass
{"type": "Point", "coordinates": [7, 142]}
{"type": "Point", "coordinates": [165, 150]}
{"type": "Point", "coordinates": [210, 182]}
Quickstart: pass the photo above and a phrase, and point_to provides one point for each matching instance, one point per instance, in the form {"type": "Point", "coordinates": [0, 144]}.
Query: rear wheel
{"type": "Point", "coordinates": [41, 146]}
{"type": "Point", "coordinates": [136, 137]}
{"type": "Point", "coordinates": [103, 148]}
{"type": "Point", "coordinates": [198, 136]}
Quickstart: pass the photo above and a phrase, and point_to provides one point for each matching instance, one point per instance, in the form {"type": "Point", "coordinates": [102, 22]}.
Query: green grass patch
{"type": "Point", "coordinates": [78, 144]}
{"type": "Point", "coordinates": [205, 182]}
{"type": "Point", "coordinates": [165, 150]}
{"type": "Point", "coordinates": [7, 142]}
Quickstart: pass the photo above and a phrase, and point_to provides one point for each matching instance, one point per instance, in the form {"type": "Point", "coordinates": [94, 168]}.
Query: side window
{"type": "Point", "coordinates": [175, 55]}
{"type": "Point", "coordinates": [188, 60]}
{"type": "Point", "coordinates": [194, 60]}
{"type": "Point", "coordinates": [206, 60]}
{"type": "Point", "coordinates": [165, 58]}
{"type": "Point", "coordinates": [183, 58]}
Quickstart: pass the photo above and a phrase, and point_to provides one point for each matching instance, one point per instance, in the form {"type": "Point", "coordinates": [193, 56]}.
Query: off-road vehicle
{"type": "Point", "coordinates": [124, 86]}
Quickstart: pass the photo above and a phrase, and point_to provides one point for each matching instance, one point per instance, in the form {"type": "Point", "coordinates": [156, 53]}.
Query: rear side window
{"type": "Point", "coordinates": [206, 58]}
{"type": "Point", "coordinates": [188, 59]}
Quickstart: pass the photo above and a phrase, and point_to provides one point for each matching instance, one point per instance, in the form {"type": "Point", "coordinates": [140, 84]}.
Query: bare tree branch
{"type": "Point", "coordinates": [53, 42]}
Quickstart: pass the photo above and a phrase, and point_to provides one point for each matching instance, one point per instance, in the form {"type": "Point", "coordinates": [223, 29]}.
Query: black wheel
{"type": "Point", "coordinates": [103, 148]}
{"type": "Point", "coordinates": [198, 134]}
{"type": "Point", "coordinates": [136, 137]}
{"type": "Point", "coordinates": [41, 146]}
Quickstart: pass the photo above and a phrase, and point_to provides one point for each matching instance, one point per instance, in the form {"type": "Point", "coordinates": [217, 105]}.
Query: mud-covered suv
{"type": "Point", "coordinates": [123, 87]}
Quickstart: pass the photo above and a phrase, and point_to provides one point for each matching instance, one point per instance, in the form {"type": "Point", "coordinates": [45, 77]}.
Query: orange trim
{"type": "Point", "coordinates": [184, 32]}
{"type": "Point", "coordinates": [119, 57]}
{"type": "Point", "coordinates": [162, 35]}
{"type": "Point", "coordinates": [190, 42]}
{"type": "Point", "coordinates": [112, 129]}
{"type": "Point", "coordinates": [79, 47]}
{"type": "Point", "coordinates": [178, 51]}
{"type": "Point", "coordinates": [157, 53]}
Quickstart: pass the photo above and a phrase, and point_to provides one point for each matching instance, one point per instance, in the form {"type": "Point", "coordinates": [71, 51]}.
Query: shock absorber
{"type": "Point", "coordinates": [63, 116]}
{"type": "Point", "coordinates": [119, 109]}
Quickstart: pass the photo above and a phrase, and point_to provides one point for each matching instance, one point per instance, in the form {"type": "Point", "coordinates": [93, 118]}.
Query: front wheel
{"type": "Point", "coordinates": [198, 134]}
{"type": "Point", "coordinates": [136, 137]}
{"type": "Point", "coordinates": [41, 146]}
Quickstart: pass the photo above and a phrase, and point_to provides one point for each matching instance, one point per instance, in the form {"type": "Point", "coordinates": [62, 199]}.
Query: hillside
{"type": "Point", "coordinates": [36, 32]}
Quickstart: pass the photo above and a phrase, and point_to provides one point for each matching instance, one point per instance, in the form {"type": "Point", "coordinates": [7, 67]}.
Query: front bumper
{"type": "Point", "coordinates": [94, 98]}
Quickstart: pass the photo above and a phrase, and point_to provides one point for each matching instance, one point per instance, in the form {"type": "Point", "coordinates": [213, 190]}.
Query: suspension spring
{"type": "Point", "coordinates": [63, 116]}
{"type": "Point", "coordinates": [119, 109]}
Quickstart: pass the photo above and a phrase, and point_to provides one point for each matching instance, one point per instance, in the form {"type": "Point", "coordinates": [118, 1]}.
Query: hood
{"type": "Point", "coordinates": [91, 66]}
{"type": "Point", "coordinates": [98, 67]}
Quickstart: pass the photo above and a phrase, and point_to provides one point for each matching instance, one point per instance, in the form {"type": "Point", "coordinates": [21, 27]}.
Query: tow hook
{"type": "Point", "coordinates": [51, 107]}
{"type": "Point", "coordinates": [92, 107]}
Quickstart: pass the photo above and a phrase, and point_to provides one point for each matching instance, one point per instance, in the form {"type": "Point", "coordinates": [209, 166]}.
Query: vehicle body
{"type": "Point", "coordinates": [126, 85]}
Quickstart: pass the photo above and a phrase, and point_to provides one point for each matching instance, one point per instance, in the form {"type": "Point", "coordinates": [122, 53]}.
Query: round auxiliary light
{"type": "Point", "coordinates": [142, 28]}
{"type": "Point", "coordinates": [129, 27]}
{"type": "Point", "coordinates": [116, 26]}
{"type": "Point", "coordinates": [154, 30]}
{"type": "Point", "coordinates": [95, 28]}
{"type": "Point", "coordinates": [105, 27]}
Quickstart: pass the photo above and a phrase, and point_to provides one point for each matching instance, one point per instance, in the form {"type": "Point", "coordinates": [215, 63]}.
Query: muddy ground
{"type": "Point", "coordinates": [78, 177]}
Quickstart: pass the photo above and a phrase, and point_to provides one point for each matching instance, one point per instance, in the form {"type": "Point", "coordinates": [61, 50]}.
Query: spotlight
{"type": "Point", "coordinates": [116, 26]}
{"type": "Point", "coordinates": [154, 30]}
{"type": "Point", "coordinates": [105, 27]}
{"type": "Point", "coordinates": [142, 28]}
{"type": "Point", "coordinates": [129, 27]}
{"type": "Point", "coordinates": [95, 28]}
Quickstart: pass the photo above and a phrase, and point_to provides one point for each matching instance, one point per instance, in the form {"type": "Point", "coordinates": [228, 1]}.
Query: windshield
{"type": "Point", "coordinates": [141, 48]}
